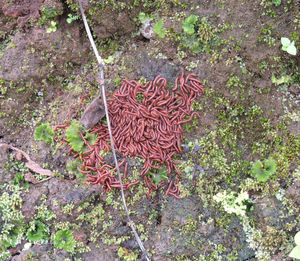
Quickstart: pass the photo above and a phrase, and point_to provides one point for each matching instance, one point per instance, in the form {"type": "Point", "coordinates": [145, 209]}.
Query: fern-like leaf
{"type": "Point", "coordinates": [73, 136]}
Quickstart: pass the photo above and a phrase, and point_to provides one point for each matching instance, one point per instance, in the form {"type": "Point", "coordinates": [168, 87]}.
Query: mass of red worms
{"type": "Point", "coordinates": [146, 122]}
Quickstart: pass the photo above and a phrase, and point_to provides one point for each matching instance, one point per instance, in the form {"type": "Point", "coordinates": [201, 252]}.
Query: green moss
{"type": "Point", "coordinates": [12, 229]}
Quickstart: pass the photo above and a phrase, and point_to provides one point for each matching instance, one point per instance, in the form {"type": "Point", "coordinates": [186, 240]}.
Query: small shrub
{"type": "Point", "coordinates": [11, 235]}
{"type": "Point", "coordinates": [144, 18]}
{"type": "Point", "coordinates": [188, 25]}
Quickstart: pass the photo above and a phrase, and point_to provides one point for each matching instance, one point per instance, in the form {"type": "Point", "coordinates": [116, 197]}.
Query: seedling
{"type": "Point", "coordinates": [144, 18]}
{"type": "Point", "coordinates": [64, 239]}
{"type": "Point", "coordinates": [198, 33]}
{"type": "Point", "coordinates": [262, 171]}
{"type": "Point", "coordinates": [71, 18]}
{"type": "Point", "coordinates": [288, 46]}
{"type": "Point", "coordinates": [276, 2]}
{"type": "Point", "coordinates": [295, 253]}
{"type": "Point", "coordinates": [45, 133]}
{"type": "Point", "coordinates": [74, 137]}
{"type": "Point", "coordinates": [159, 28]}
{"type": "Point", "coordinates": [159, 176]}
{"type": "Point", "coordinates": [52, 27]}
{"type": "Point", "coordinates": [188, 25]}
{"type": "Point", "coordinates": [37, 232]}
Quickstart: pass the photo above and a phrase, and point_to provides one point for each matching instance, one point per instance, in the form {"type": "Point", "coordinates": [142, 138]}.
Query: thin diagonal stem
{"type": "Point", "coordinates": [101, 83]}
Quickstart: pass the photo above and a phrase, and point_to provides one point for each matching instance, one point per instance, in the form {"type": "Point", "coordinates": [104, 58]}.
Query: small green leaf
{"type": "Point", "coordinates": [158, 29]}
{"type": "Point", "coordinates": [285, 41]}
{"type": "Point", "coordinates": [91, 138]}
{"type": "Point", "coordinates": [276, 2]}
{"type": "Point", "coordinates": [45, 133]}
{"type": "Point", "coordinates": [281, 80]}
{"type": "Point", "coordinates": [257, 171]}
{"type": "Point", "coordinates": [192, 19]}
{"type": "Point", "coordinates": [295, 253]}
{"type": "Point", "coordinates": [188, 24]}
{"type": "Point", "coordinates": [292, 50]}
{"type": "Point", "coordinates": [297, 238]}
{"type": "Point", "coordinates": [37, 232]}
{"type": "Point", "coordinates": [269, 166]}
{"type": "Point", "coordinates": [188, 28]}
{"type": "Point", "coordinates": [73, 136]}
{"type": "Point", "coordinates": [159, 177]}
{"type": "Point", "coordinates": [144, 18]}
{"type": "Point", "coordinates": [64, 239]}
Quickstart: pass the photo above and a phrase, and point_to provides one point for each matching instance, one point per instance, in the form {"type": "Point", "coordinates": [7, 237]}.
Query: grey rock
{"type": "Point", "coordinates": [93, 113]}
{"type": "Point", "coordinates": [150, 67]}
{"type": "Point", "coordinates": [147, 30]}
{"type": "Point", "coordinates": [39, 252]}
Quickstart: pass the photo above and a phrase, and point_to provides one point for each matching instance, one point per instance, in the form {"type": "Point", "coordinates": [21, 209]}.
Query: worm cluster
{"type": "Point", "coordinates": [146, 122]}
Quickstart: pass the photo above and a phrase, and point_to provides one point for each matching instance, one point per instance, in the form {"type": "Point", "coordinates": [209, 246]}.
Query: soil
{"type": "Point", "coordinates": [249, 113]}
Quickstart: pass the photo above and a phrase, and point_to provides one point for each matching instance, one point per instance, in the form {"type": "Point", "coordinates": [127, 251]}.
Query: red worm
{"type": "Point", "coordinates": [150, 130]}
{"type": "Point", "coordinates": [62, 126]}
{"type": "Point", "coordinates": [82, 98]}
{"type": "Point", "coordinates": [174, 195]}
{"type": "Point", "coordinates": [84, 171]}
{"type": "Point", "coordinates": [169, 187]}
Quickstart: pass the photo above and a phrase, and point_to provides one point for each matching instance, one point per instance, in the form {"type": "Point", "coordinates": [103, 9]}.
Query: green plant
{"type": "Point", "coordinates": [281, 80]}
{"type": "Point", "coordinates": [64, 239]}
{"type": "Point", "coordinates": [45, 133]}
{"type": "Point", "coordinates": [72, 167]}
{"type": "Point", "coordinates": [188, 25]}
{"type": "Point", "coordinates": [48, 13]}
{"type": "Point", "coordinates": [233, 202]}
{"type": "Point", "coordinates": [19, 180]}
{"type": "Point", "coordinates": [12, 229]}
{"type": "Point", "coordinates": [52, 27]}
{"type": "Point", "coordinates": [126, 255]}
{"type": "Point", "coordinates": [11, 235]}
{"type": "Point", "coordinates": [288, 46]}
{"type": "Point", "coordinates": [198, 33]}
{"type": "Point", "coordinates": [144, 18]}
{"type": "Point", "coordinates": [158, 28]}
{"type": "Point", "coordinates": [276, 2]}
{"type": "Point", "coordinates": [37, 232]}
{"type": "Point", "coordinates": [158, 176]}
{"type": "Point", "coordinates": [262, 171]}
{"type": "Point", "coordinates": [139, 97]}
{"type": "Point", "coordinates": [72, 18]}
{"type": "Point", "coordinates": [295, 253]}
{"type": "Point", "coordinates": [74, 138]}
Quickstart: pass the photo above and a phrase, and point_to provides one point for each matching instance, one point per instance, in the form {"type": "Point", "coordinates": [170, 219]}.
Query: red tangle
{"type": "Point", "coordinates": [145, 122]}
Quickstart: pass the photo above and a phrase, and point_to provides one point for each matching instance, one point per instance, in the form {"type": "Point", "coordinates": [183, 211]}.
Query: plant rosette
{"type": "Point", "coordinates": [288, 46]}
{"type": "Point", "coordinates": [295, 253]}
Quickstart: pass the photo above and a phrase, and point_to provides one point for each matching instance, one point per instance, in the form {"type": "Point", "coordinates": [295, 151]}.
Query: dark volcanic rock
{"type": "Point", "coordinates": [28, 58]}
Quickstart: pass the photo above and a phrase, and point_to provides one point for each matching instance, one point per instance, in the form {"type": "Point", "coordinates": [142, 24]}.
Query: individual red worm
{"type": "Point", "coordinates": [61, 126]}
{"type": "Point", "coordinates": [82, 98]}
